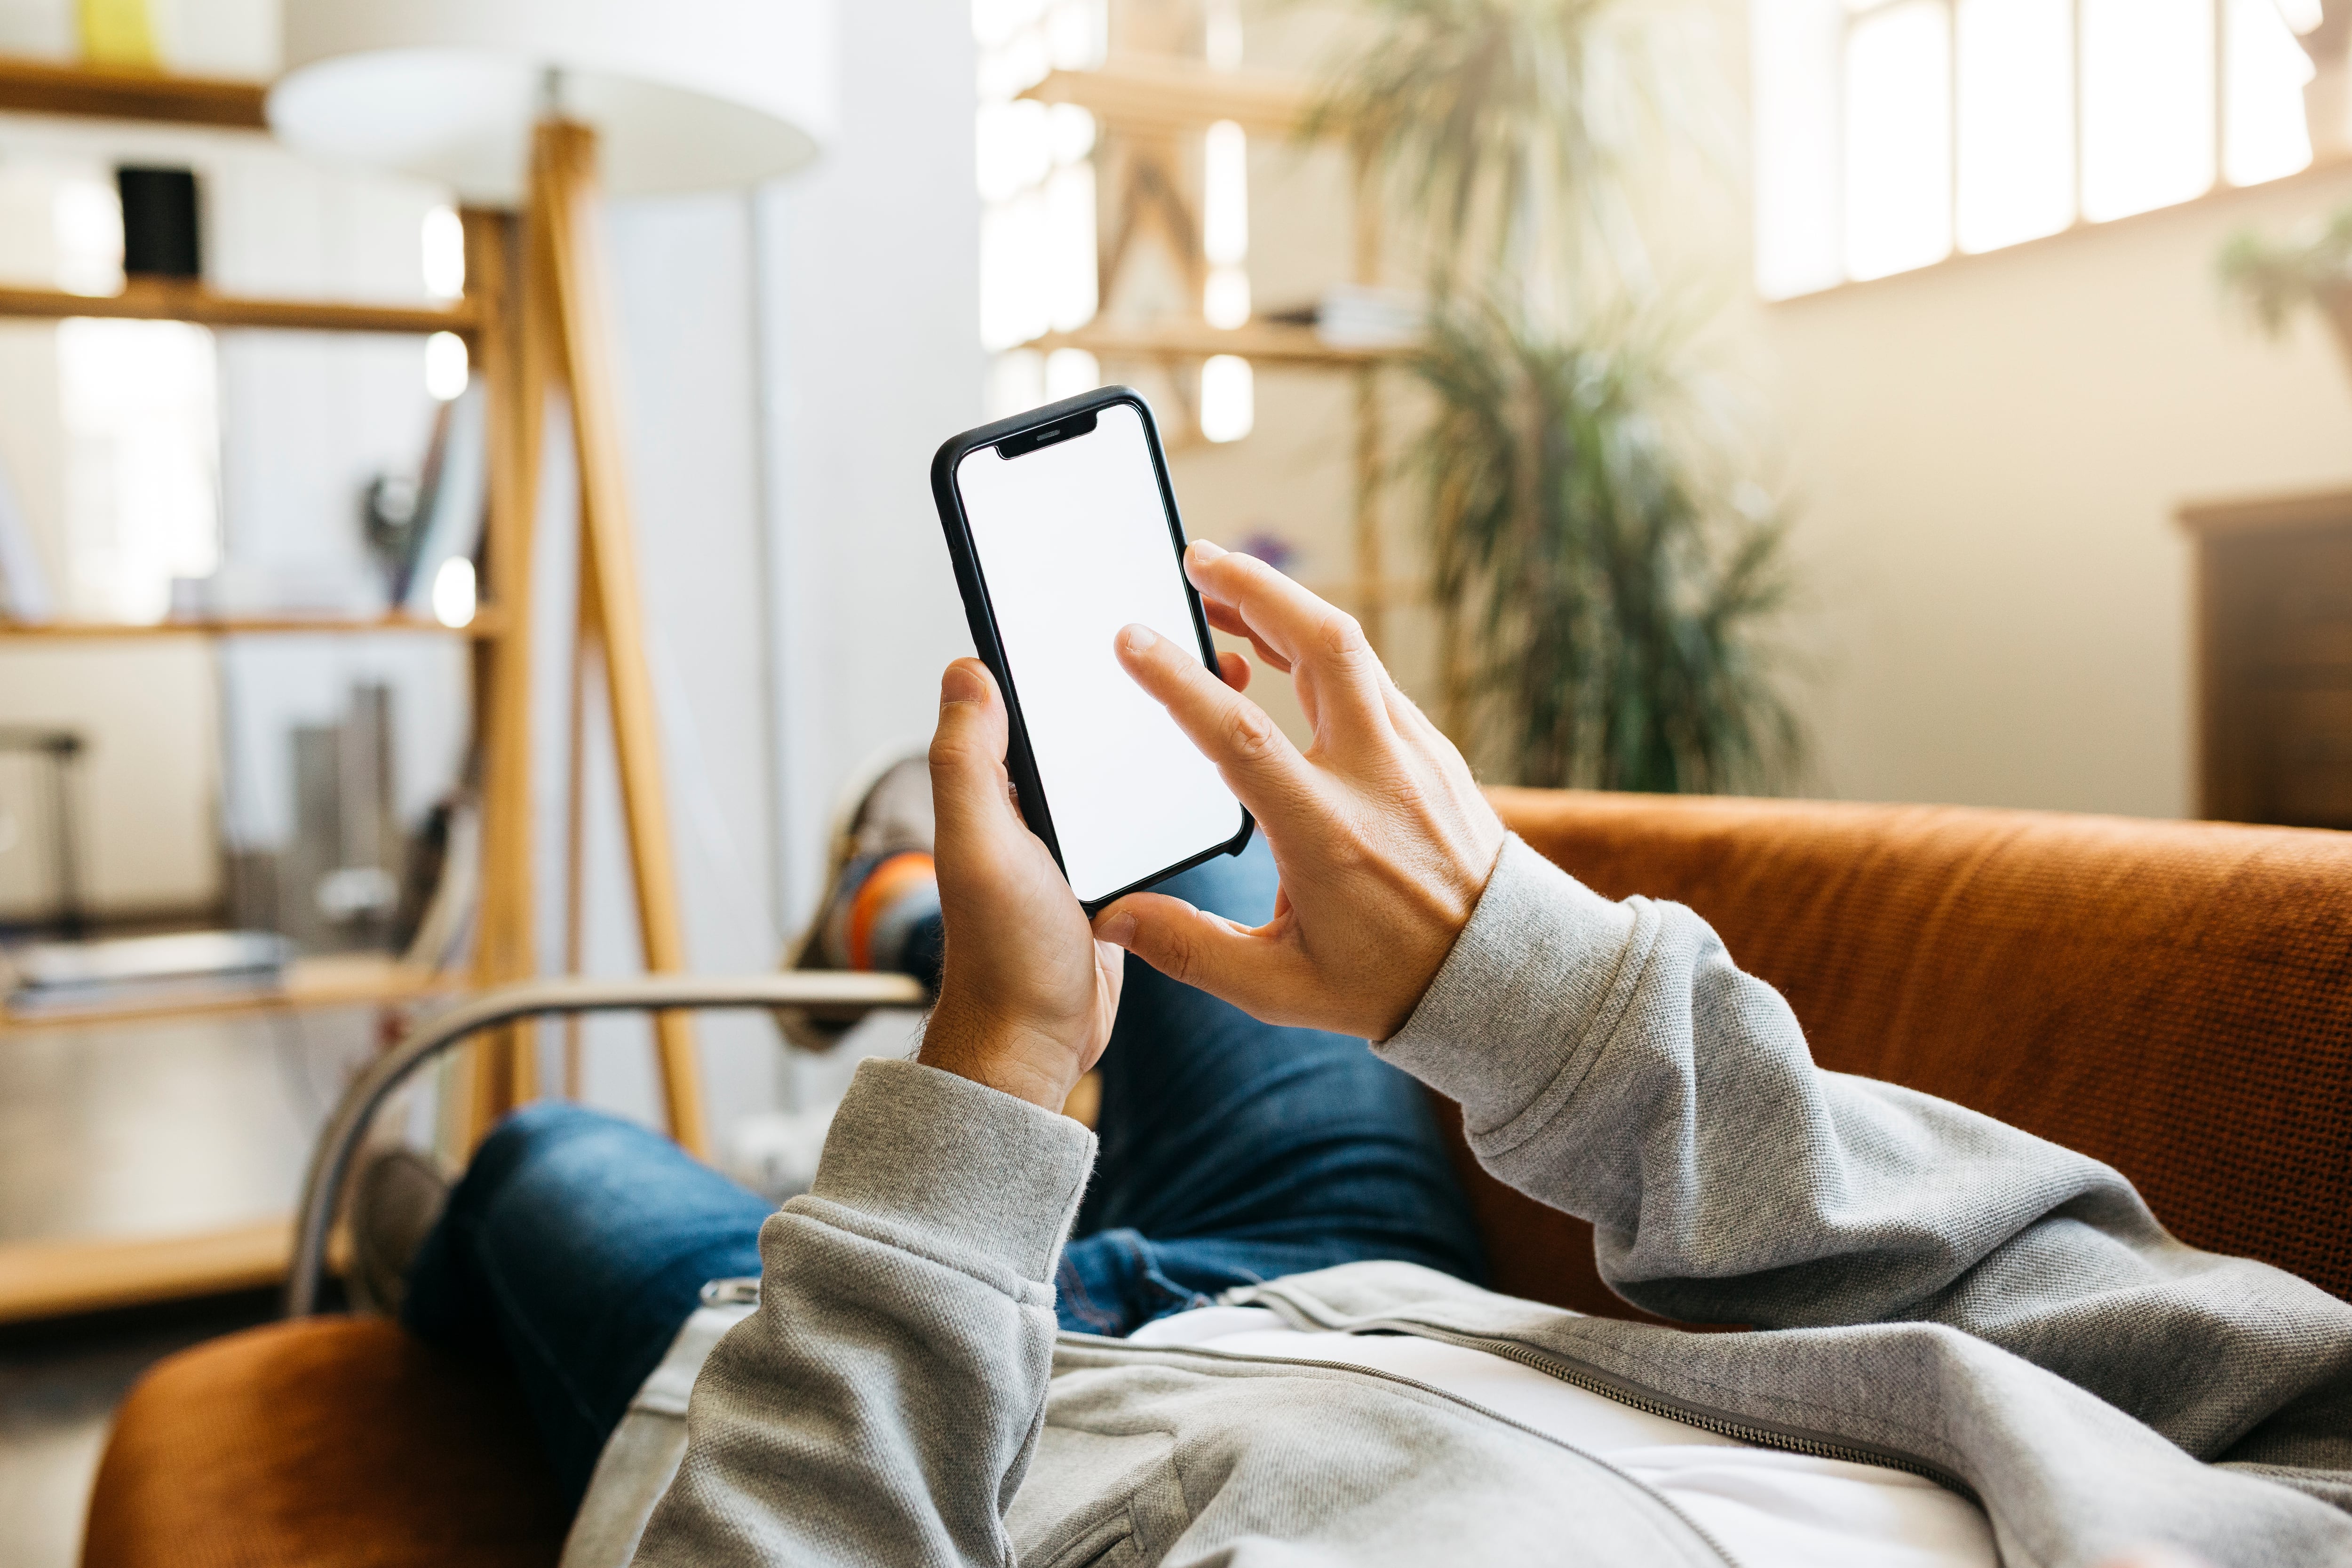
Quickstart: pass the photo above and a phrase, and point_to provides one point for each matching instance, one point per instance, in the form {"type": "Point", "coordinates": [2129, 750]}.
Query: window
{"type": "Point", "coordinates": [1893, 133]}
{"type": "Point", "coordinates": [139, 401]}
{"type": "Point", "coordinates": [142, 439]}
{"type": "Point", "coordinates": [1036, 169]}
{"type": "Point", "coordinates": [1037, 196]}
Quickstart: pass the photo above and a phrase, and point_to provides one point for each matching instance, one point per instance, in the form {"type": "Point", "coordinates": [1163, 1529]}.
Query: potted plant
{"type": "Point", "coordinates": [2277, 278]}
{"type": "Point", "coordinates": [1609, 576]}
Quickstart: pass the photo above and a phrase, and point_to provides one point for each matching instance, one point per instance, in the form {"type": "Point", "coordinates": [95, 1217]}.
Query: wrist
{"type": "Point", "coordinates": [1015, 1059]}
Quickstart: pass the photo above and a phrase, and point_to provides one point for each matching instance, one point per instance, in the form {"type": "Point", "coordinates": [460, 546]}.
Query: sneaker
{"type": "Point", "coordinates": [396, 1200]}
{"type": "Point", "coordinates": [881, 843]}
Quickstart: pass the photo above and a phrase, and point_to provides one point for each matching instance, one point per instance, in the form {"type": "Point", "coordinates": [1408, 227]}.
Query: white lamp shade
{"type": "Point", "coordinates": [685, 94]}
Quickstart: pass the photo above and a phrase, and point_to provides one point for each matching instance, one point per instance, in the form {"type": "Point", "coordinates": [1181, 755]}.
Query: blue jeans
{"type": "Point", "coordinates": [1232, 1151]}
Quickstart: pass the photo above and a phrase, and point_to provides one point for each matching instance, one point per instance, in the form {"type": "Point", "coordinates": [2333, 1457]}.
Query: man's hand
{"type": "Point", "coordinates": [1027, 996]}
{"type": "Point", "coordinates": [1383, 839]}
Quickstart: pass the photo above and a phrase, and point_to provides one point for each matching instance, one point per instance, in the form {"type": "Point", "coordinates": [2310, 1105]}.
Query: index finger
{"type": "Point", "coordinates": [1320, 642]}
{"type": "Point", "coordinates": [1257, 760]}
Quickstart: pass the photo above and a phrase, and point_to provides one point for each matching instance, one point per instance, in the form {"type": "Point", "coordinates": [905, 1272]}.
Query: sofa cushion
{"type": "Point", "coordinates": [2173, 998]}
{"type": "Point", "coordinates": [327, 1443]}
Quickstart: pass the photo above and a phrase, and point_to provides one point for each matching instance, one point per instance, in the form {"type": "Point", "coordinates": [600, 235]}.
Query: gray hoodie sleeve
{"type": "Point", "coordinates": [882, 1403]}
{"type": "Point", "coordinates": [1611, 1060]}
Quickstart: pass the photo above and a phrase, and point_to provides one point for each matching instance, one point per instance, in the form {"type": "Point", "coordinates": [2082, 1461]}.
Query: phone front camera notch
{"type": "Point", "coordinates": [1045, 435]}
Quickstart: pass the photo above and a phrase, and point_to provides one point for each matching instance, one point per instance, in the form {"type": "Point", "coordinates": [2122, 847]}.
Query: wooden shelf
{"type": "Point", "coordinates": [156, 300]}
{"type": "Point", "coordinates": [56, 1278]}
{"type": "Point", "coordinates": [485, 625]}
{"type": "Point", "coordinates": [1161, 96]}
{"type": "Point", "coordinates": [2268, 514]}
{"type": "Point", "coordinates": [350, 980]}
{"type": "Point", "coordinates": [1261, 343]}
{"type": "Point", "coordinates": [43, 87]}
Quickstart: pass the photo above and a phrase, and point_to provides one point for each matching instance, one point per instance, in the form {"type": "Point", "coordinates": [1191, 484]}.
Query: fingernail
{"type": "Point", "coordinates": [1118, 930]}
{"type": "Point", "coordinates": [961, 683]}
{"type": "Point", "coordinates": [1206, 549]}
{"type": "Point", "coordinates": [1138, 638]}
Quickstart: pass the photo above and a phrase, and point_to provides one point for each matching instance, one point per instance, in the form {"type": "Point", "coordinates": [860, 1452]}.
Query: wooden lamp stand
{"type": "Point", "coordinates": [559, 334]}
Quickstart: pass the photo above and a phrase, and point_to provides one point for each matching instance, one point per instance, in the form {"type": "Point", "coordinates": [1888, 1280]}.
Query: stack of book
{"type": "Point", "coordinates": [61, 976]}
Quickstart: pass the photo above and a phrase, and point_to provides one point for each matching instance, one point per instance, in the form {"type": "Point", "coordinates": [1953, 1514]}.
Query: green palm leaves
{"type": "Point", "coordinates": [1610, 577]}
{"type": "Point", "coordinates": [1617, 591]}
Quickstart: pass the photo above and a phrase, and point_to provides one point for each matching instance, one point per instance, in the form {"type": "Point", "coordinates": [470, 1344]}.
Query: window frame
{"type": "Point", "coordinates": [2219, 185]}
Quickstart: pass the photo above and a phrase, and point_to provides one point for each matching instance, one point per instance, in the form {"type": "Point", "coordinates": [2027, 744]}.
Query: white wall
{"type": "Point", "coordinates": [201, 37]}
{"type": "Point", "coordinates": [681, 269]}
{"type": "Point", "coordinates": [1986, 458]}
{"type": "Point", "coordinates": [870, 304]}
{"type": "Point", "coordinates": [1990, 461]}
{"type": "Point", "coordinates": [790, 360]}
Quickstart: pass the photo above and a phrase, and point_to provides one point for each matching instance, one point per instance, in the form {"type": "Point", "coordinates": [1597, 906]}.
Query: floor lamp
{"type": "Point", "coordinates": [529, 109]}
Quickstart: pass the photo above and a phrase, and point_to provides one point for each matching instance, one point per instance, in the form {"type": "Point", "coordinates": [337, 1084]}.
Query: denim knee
{"type": "Point", "coordinates": [524, 1136]}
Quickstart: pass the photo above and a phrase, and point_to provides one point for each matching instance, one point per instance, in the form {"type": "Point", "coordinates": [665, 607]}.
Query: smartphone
{"type": "Point", "coordinates": [1063, 528]}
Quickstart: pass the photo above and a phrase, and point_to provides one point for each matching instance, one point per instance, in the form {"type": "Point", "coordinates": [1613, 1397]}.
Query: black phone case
{"type": "Point", "coordinates": [1019, 762]}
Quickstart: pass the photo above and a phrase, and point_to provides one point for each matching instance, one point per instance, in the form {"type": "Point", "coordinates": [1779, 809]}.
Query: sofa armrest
{"type": "Point", "coordinates": [330, 1159]}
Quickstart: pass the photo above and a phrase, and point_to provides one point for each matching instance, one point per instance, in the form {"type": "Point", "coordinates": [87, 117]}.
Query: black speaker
{"type": "Point", "coordinates": [159, 223]}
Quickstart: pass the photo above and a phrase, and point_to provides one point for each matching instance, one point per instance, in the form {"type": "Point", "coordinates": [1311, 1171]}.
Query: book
{"type": "Point", "coordinates": [119, 33]}
{"type": "Point", "coordinates": [23, 583]}
{"type": "Point", "coordinates": [85, 972]}
{"type": "Point", "coordinates": [456, 491]}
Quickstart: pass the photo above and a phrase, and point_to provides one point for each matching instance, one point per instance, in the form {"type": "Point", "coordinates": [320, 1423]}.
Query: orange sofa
{"type": "Point", "coordinates": [2173, 998]}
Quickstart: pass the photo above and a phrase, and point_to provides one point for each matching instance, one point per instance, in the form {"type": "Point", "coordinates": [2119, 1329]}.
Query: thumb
{"type": "Point", "coordinates": [1204, 950]}
{"type": "Point", "coordinates": [968, 779]}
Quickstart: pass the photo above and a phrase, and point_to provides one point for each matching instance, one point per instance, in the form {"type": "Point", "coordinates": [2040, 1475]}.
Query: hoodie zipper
{"type": "Point", "coordinates": [1593, 1381]}
{"type": "Point", "coordinates": [1706, 1537]}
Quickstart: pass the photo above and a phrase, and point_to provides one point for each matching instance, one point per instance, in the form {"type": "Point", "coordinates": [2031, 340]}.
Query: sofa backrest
{"type": "Point", "coordinates": [2173, 998]}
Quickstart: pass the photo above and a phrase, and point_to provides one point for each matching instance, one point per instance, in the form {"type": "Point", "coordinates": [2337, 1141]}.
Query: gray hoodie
{"type": "Point", "coordinates": [1925, 1287]}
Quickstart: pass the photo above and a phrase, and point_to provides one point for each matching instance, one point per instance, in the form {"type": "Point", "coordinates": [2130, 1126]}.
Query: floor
{"type": "Point", "coordinates": [58, 1386]}
{"type": "Point", "coordinates": [122, 1132]}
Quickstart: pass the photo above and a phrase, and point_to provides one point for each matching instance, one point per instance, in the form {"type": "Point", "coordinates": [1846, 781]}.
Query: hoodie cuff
{"type": "Point", "coordinates": [970, 1171]}
{"type": "Point", "coordinates": [1526, 998]}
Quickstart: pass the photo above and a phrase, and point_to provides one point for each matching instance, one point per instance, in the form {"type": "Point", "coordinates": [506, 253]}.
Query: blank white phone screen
{"type": "Point", "coordinates": [1073, 544]}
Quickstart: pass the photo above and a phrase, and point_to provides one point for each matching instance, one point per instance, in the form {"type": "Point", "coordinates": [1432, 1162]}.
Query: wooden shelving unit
{"type": "Point", "coordinates": [487, 624]}
{"type": "Point", "coordinates": [53, 1278]}
{"type": "Point", "coordinates": [76, 1274]}
{"type": "Point", "coordinates": [1148, 102]}
{"type": "Point", "coordinates": [153, 300]}
{"type": "Point", "coordinates": [40, 87]}
{"type": "Point", "coordinates": [1261, 343]}
{"type": "Point", "coordinates": [346, 980]}
{"type": "Point", "coordinates": [2274, 597]}
{"type": "Point", "coordinates": [42, 1278]}
{"type": "Point", "coordinates": [1158, 95]}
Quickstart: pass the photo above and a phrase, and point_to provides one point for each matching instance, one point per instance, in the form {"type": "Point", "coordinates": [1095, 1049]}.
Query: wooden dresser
{"type": "Point", "coordinates": [2274, 659]}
